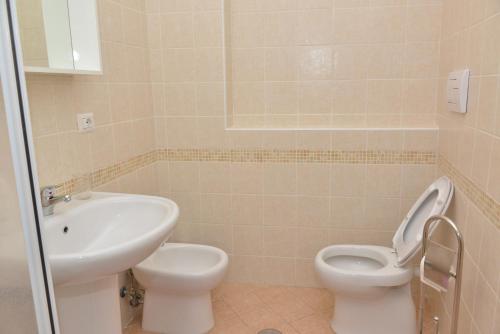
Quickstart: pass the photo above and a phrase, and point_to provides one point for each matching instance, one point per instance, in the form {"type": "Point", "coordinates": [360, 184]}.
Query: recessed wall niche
{"type": "Point", "coordinates": [331, 64]}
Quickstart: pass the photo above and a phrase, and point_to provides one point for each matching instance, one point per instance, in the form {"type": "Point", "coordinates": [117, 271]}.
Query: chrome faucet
{"type": "Point", "coordinates": [49, 200]}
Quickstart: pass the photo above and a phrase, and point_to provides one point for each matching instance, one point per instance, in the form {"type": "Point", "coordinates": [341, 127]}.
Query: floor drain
{"type": "Point", "coordinates": [269, 331]}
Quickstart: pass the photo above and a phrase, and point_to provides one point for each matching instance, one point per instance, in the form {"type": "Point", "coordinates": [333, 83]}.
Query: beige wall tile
{"type": "Point", "coordinates": [348, 212]}
{"type": "Point", "coordinates": [279, 241]}
{"type": "Point", "coordinates": [314, 27]}
{"type": "Point", "coordinates": [111, 21]}
{"type": "Point", "coordinates": [190, 212]}
{"type": "Point", "coordinates": [214, 177]}
{"type": "Point", "coordinates": [314, 239]}
{"type": "Point", "coordinates": [484, 306]}
{"type": "Point", "coordinates": [177, 30]}
{"type": "Point", "coordinates": [181, 67]}
{"type": "Point", "coordinates": [481, 156]}
{"type": "Point", "coordinates": [348, 180]}
{"type": "Point", "coordinates": [180, 99]}
{"type": "Point", "coordinates": [279, 179]}
{"type": "Point", "coordinates": [305, 274]}
{"type": "Point", "coordinates": [415, 179]}
{"type": "Point", "coordinates": [220, 236]}
{"type": "Point", "coordinates": [187, 176]}
{"type": "Point", "coordinates": [313, 211]}
{"type": "Point", "coordinates": [315, 62]}
{"type": "Point", "coordinates": [181, 132]}
{"type": "Point", "coordinates": [279, 271]}
{"type": "Point", "coordinates": [313, 179]}
{"type": "Point", "coordinates": [246, 178]}
{"type": "Point", "coordinates": [384, 97]}
{"type": "Point", "coordinates": [208, 29]}
{"type": "Point", "coordinates": [494, 175]}
{"type": "Point", "coordinates": [101, 147]}
{"type": "Point", "coordinates": [488, 260]}
{"type": "Point", "coordinates": [281, 98]}
{"type": "Point", "coordinates": [281, 28]}
{"type": "Point", "coordinates": [280, 210]}
{"type": "Point", "coordinates": [315, 97]}
{"type": "Point", "coordinates": [247, 210]}
{"type": "Point", "coordinates": [248, 240]}
{"type": "Point", "coordinates": [424, 23]}
{"type": "Point", "coordinates": [382, 213]}
{"type": "Point", "coordinates": [215, 208]}
{"type": "Point", "coordinates": [383, 180]}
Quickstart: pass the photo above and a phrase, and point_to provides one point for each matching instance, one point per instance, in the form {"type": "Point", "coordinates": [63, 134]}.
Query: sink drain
{"type": "Point", "coordinates": [269, 331]}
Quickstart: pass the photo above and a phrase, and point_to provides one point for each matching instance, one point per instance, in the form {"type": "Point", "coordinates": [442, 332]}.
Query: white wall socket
{"type": "Point", "coordinates": [85, 122]}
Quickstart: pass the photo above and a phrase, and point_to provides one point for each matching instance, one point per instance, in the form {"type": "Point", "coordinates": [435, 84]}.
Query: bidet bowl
{"type": "Point", "coordinates": [178, 279]}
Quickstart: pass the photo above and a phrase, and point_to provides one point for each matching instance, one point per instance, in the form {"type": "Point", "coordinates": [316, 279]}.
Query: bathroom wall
{"type": "Point", "coordinates": [32, 31]}
{"type": "Point", "coordinates": [470, 152]}
{"type": "Point", "coordinates": [118, 153]}
{"type": "Point", "coordinates": [120, 100]}
{"type": "Point", "coordinates": [332, 64]}
{"type": "Point", "coordinates": [271, 199]}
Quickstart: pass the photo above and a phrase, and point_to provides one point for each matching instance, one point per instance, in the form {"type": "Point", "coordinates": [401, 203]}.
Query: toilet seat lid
{"type": "Point", "coordinates": [434, 201]}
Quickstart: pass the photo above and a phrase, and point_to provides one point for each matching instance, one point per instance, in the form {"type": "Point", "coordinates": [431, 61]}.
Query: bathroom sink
{"type": "Point", "coordinates": [87, 240]}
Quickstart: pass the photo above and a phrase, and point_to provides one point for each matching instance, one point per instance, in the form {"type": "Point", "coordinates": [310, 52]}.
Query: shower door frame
{"type": "Point", "coordinates": [23, 160]}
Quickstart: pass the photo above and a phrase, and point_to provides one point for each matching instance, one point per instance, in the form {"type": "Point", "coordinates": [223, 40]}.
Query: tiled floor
{"type": "Point", "coordinates": [247, 309]}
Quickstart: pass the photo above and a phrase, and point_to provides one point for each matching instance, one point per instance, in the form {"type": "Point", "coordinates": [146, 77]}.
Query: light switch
{"type": "Point", "coordinates": [85, 122]}
{"type": "Point", "coordinates": [457, 91]}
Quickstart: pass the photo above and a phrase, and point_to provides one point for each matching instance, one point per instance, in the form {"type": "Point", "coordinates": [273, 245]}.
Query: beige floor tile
{"type": "Point", "coordinates": [222, 311]}
{"type": "Point", "coordinates": [249, 308]}
{"type": "Point", "coordinates": [291, 310]}
{"type": "Point", "coordinates": [314, 324]}
{"type": "Point", "coordinates": [230, 290]}
{"type": "Point", "coordinates": [262, 318]}
{"type": "Point", "coordinates": [317, 299]}
{"type": "Point", "coordinates": [234, 326]}
{"type": "Point", "coordinates": [243, 303]}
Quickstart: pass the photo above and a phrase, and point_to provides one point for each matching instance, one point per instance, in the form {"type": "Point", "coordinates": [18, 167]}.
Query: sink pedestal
{"type": "Point", "coordinates": [92, 307]}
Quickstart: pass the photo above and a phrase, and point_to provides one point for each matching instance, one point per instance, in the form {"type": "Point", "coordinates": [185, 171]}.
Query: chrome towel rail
{"type": "Point", "coordinates": [454, 272]}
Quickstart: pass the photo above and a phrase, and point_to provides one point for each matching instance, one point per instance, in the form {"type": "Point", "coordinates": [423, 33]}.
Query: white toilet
{"type": "Point", "coordinates": [178, 279]}
{"type": "Point", "coordinates": [372, 283]}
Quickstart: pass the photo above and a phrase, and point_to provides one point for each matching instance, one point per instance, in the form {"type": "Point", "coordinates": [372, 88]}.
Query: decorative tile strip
{"type": "Point", "coordinates": [299, 156]}
{"type": "Point", "coordinates": [486, 204]}
{"type": "Point", "coordinates": [108, 174]}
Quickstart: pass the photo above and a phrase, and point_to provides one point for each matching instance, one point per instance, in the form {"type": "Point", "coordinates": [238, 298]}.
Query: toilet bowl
{"type": "Point", "coordinates": [372, 283]}
{"type": "Point", "coordinates": [178, 279]}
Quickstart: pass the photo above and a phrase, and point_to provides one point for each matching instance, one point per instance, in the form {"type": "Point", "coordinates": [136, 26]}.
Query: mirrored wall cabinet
{"type": "Point", "coordinates": [60, 36]}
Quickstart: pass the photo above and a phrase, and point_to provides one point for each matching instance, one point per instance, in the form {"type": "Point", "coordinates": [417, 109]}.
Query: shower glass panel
{"type": "Point", "coordinates": [17, 313]}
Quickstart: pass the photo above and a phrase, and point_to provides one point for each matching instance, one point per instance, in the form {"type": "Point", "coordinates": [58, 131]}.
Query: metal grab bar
{"type": "Point", "coordinates": [431, 224]}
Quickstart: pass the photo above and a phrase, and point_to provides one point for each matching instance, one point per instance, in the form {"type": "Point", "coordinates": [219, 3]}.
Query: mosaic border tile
{"type": "Point", "coordinates": [298, 156]}
{"type": "Point", "coordinates": [108, 174]}
{"type": "Point", "coordinates": [486, 204]}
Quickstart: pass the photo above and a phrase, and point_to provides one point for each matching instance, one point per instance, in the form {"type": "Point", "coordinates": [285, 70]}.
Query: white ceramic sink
{"type": "Point", "coordinates": [90, 239]}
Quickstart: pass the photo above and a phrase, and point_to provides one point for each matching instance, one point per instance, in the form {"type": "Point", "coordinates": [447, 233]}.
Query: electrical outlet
{"type": "Point", "coordinates": [85, 122]}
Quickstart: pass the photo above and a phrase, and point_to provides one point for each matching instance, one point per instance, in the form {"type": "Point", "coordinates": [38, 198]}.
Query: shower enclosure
{"type": "Point", "coordinates": [25, 282]}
